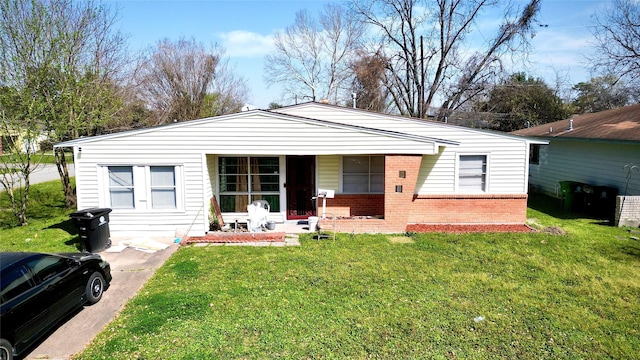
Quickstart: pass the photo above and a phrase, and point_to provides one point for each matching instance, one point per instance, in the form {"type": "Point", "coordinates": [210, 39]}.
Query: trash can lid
{"type": "Point", "coordinates": [91, 212]}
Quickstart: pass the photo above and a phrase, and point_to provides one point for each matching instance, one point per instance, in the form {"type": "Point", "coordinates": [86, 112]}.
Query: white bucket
{"type": "Point", "coordinates": [313, 223]}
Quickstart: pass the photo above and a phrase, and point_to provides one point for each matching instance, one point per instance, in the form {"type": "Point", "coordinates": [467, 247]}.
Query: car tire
{"type": "Point", "coordinates": [6, 350]}
{"type": "Point", "coordinates": [95, 288]}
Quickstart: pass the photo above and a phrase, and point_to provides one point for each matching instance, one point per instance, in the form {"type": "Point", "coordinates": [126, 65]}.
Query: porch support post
{"type": "Point", "coordinates": [400, 179]}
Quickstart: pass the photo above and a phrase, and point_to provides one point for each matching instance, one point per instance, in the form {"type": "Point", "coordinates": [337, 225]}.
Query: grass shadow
{"type": "Point", "coordinates": [66, 226]}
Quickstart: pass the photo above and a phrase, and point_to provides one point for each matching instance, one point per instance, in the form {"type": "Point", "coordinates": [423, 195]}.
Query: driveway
{"type": "Point", "coordinates": [130, 270]}
{"type": "Point", "coordinates": [48, 172]}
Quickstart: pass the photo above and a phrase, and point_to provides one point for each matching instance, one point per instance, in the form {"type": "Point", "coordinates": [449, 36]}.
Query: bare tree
{"type": "Point", "coordinates": [230, 91]}
{"type": "Point", "coordinates": [368, 84]}
{"type": "Point", "coordinates": [312, 56]}
{"type": "Point", "coordinates": [183, 80]}
{"type": "Point", "coordinates": [62, 59]}
{"type": "Point", "coordinates": [426, 44]}
{"type": "Point", "coordinates": [617, 41]}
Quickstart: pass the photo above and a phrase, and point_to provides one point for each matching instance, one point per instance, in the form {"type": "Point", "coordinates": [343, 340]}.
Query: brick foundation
{"type": "Point", "coordinates": [469, 209]}
{"type": "Point", "coordinates": [346, 205]}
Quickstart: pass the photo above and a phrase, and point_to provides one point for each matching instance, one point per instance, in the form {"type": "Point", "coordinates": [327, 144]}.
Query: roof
{"type": "Point", "coordinates": [316, 122]}
{"type": "Point", "coordinates": [406, 119]}
{"type": "Point", "coordinates": [622, 124]}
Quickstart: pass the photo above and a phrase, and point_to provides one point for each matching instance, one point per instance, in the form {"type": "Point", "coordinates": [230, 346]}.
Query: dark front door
{"type": "Point", "coordinates": [301, 186]}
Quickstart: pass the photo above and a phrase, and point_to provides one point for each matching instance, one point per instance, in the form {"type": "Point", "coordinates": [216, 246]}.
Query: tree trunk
{"type": "Point", "coordinates": [69, 194]}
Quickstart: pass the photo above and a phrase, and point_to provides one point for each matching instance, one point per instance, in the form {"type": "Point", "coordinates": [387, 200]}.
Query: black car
{"type": "Point", "coordinates": [37, 291]}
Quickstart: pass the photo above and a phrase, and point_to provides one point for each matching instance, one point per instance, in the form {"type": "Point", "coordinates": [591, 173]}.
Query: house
{"type": "Point", "coordinates": [384, 171]}
{"type": "Point", "coordinates": [19, 141]}
{"type": "Point", "coordinates": [601, 150]}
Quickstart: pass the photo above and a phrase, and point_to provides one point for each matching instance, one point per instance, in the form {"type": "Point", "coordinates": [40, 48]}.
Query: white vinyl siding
{"type": "Point", "coordinates": [592, 162]}
{"type": "Point", "coordinates": [328, 172]}
{"type": "Point", "coordinates": [507, 170]}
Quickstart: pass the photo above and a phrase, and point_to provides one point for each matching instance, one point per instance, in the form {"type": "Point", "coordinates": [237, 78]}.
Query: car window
{"type": "Point", "coordinates": [14, 283]}
{"type": "Point", "coordinates": [47, 267]}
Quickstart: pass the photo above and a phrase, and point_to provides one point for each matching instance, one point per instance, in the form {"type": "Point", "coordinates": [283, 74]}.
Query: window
{"type": "Point", "coordinates": [245, 179]}
{"type": "Point", "coordinates": [163, 187]}
{"type": "Point", "coordinates": [363, 174]}
{"type": "Point", "coordinates": [47, 267]}
{"type": "Point", "coordinates": [143, 187]}
{"type": "Point", "coordinates": [14, 283]}
{"type": "Point", "coordinates": [121, 187]}
{"type": "Point", "coordinates": [534, 154]}
{"type": "Point", "coordinates": [472, 173]}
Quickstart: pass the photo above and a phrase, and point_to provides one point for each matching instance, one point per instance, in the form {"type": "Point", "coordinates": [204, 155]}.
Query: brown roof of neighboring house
{"type": "Point", "coordinates": [617, 124]}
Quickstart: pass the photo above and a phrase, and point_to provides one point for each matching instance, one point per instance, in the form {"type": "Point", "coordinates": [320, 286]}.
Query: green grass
{"type": "Point", "coordinates": [49, 227]}
{"type": "Point", "coordinates": [439, 296]}
{"type": "Point", "coordinates": [364, 296]}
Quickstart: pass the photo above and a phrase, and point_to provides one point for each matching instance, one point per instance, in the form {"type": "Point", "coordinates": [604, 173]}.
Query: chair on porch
{"type": "Point", "coordinates": [258, 215]}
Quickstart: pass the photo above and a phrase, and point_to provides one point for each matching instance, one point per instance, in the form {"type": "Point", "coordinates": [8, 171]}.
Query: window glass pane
{"type": "Point", "coordinates": [120, 176]}
{"type": "Point", "coordinates": [534, 154]}
{"type": "Point", "coordinates": [233, 174]}
{"type": "Point", "coordinates": [163, 198]}
{"type": "Point", "coordinates": [163, 189]}
{"type": "Point", "coordinates": [162, 176]}
{"type": "Point", "coordinates": [472, 173]}
{"type": "Point", "coordinates": [234, 203]}
{"type": "Point", "coordinates": [266, 165]}
{"type": "Point", "coordinates": [265, 183]}
{"type": "Point", "coordinates": [377, 183]}
{"type": "Point", "coordinates": [121, 187]}
{"type": "Point", "coordinates": [377, 164]}
{"type": "Point", "coordinates": [274, 201]}
{"type": "Point", "coordinates": [355, 183]}
{"type": "Point", "coordinates": [355, 164]}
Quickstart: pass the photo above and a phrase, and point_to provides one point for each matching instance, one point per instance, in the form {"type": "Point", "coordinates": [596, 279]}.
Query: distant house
{"type": "Point", "coordinates": [17, 139]}
{"type": "Point", "coordinates": [386, 171]}
{"type": "Point", "coordinates": [597, 149]}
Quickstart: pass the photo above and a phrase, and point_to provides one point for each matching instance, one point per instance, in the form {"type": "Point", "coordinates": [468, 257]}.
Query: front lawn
{"type": "Point", "coordinates": [376, 296]}
{"type": "Point", "coordinates": [49, 227]}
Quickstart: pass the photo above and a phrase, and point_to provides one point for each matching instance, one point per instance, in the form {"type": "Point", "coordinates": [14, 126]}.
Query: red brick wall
{"type": "Point", "coordinates": [354, 205]}
{"type": "Point", "coordinates": [469, 209]}
{"type": "Point", "coordinates": [397, 205]}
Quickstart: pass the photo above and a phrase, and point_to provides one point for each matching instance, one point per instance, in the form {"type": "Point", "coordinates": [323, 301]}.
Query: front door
{"type": "Point", "coordinates": [301, 186]}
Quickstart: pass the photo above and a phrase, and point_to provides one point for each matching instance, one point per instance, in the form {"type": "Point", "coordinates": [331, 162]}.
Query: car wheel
{"type": "Point", "coordinates": [6, 350]}
{"type": "Point", "coordinates": [95, 288]}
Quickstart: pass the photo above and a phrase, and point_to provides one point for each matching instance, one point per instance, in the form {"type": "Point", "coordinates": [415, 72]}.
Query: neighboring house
{"type": "Point", "coordinates": [597, 149]}
{"type": "Point", "coordinates": [387, 171]}
{"type": "Point", "coordinates": [17, 139]}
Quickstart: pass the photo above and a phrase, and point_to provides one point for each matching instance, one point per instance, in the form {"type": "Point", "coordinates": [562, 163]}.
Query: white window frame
{"type": "Point", "coordinates": [142, 187]}
{"type": "Point", "coordinates": [342, 174]}
{"type": "Point", "coordinates": [487, 166]}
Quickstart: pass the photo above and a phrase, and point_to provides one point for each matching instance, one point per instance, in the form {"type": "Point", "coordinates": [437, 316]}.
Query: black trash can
{"type": "Point", "coordinates": [93, 228]}
{"type": "Point", "coordinates": [605, 202]}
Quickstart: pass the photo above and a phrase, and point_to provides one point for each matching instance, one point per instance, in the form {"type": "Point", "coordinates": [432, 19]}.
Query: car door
{"type": "Point", "coordinates": [63, 287]}
{"type": "Point", "coordinates": [24, 305]}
